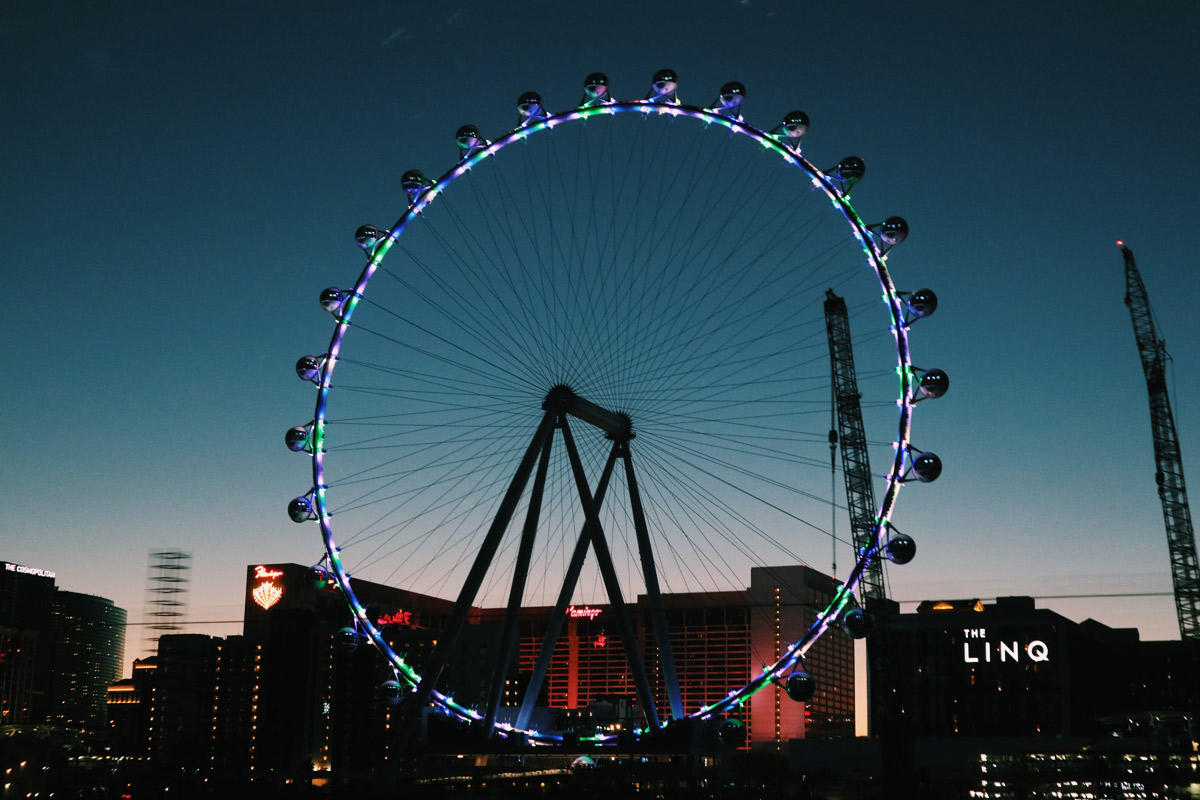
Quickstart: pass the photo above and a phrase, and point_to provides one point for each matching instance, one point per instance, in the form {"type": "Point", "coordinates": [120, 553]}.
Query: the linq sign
{"type": "Point", "coordinates": [977, 647]}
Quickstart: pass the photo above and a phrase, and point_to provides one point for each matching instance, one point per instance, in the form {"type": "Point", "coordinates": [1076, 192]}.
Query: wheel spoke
{"type": "Point", "coordinates": [667, 272]}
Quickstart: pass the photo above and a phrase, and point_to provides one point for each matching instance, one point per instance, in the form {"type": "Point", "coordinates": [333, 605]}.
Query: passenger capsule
{"type": "Point", "coordinates": [368, 236]}
{"type": "Point", "coordinates": [729, 101]}
{"type": "Point", "coordinates": [297, 439]}
{"type": "Point", "coordinates": [470, 141]}
{"type": "Point", "coordinates": [933, 384]}
{"type": "Point", "coordinates": [893, 231]}
{"type": "Point", "coordinates": [595, 91]}
{"type": "Point", "coordinates": [301, 510]}
{"type": "Point", "coordinates": [922, 303]}
{"type": "Point", "coordinates": [927, 467]}
{"type": "Point", "coordinates": [331, 299]}
{"type": "Point", "coordinates": [308, 368]}
{"type": "Point", "coordinates": [851, 168]}
{"type": "Point", "coordinates": [792, 129]}
{"type": "Point", "coordinates": [732, 733]}
{"type": "Point", "coordinates": [318, 577]}
{"type": "Point", "coordinates": [856, 623]}
{"type": "Point", "coordinates": [347, 639]}
{"type": "Point", "coordinates": [900, 549]}
{"type": "Point", "coordinates": [391, 691]}
{"type": "Point", "coordinates": [800, 686]}
{"type": "Point", "coordinates": [415, 184]}
{"type": "Point", "coordinates": [530, 109]}
{"type": "Point", "coordinates": [664, 86]}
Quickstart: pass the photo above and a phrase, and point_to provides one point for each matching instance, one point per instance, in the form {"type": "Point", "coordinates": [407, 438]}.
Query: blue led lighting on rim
{"type": "Point", "coordinates": [876, 258]}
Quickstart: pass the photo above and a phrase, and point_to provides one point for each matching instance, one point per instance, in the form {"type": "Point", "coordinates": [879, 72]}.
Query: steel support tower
{"type": "Point", "coordinates": [1181, 540]}
{"type": "Point", "coordinates": [856, 467]}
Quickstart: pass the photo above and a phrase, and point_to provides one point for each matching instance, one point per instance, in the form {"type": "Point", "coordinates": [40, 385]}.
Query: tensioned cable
{"type": "Point", "coordinates": [714, 374]}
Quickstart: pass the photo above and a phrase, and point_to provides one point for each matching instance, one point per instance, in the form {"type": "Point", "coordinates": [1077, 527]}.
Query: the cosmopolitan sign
{"type": "Point", "coordinates": [41, 573]}
{"type": "Point", "coordinates": [978, 647]}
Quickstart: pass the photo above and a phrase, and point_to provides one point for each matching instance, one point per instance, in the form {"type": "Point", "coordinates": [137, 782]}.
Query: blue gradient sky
{"type": "Point", "coordinates": [181, 180]}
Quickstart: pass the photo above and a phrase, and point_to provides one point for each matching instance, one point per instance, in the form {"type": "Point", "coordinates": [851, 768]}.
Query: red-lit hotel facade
{"type": "Point", "coordinates": [720, 640]}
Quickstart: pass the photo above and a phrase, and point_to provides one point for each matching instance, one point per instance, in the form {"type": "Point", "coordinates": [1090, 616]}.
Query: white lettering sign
{"type": "Point", "coordinates": [41, 573]}
{"type": "Point", "coordinates": [975, 651]}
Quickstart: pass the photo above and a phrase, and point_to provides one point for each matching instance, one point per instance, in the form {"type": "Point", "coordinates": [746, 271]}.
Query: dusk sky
{"type": "Point", "coordinates": [180, 181]}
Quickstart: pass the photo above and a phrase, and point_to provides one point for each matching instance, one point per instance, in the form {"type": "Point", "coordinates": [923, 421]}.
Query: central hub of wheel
{"type": "Point", "coordinates": [616, 424]}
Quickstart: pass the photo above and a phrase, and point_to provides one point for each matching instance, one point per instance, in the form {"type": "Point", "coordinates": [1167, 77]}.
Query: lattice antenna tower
{"type": "Point", "coordinates": [167, 578]}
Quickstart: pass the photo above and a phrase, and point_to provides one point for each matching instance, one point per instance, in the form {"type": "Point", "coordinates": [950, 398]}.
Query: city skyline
{"type": "Point", "coordinates": [181, 185]}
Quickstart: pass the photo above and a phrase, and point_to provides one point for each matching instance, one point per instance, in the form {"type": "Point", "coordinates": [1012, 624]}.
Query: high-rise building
{"type": "Point", "coordinates": [963, 668]}
{"type": "Point", "coordinates": [710, 641]}
{"type": "Point", "coordinates": [184, 709]}
{"type": "Point", "coordinates": [133, 712]}
{"type": "Point", "coordinates": [300, 691]}
{"type": "Point", "coordinates": [720, 640]}
{"type": "Point", "coordinates": [236, 688]}
{"type": "Point", "coordinates": [192, 707]}
{"type": "Point", "coordinates": [89, 645]}
{"type": "Point", "coordinates": [59, 651]}
{"type": "Point", "coordinates": [25, 643]}
{"type": "Point", "coordinates": [320, 701]}
{"type": "Point", "coordinates": [785, 602]}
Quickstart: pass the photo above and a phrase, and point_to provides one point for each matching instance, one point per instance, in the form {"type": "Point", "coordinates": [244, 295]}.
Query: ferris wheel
{"type": "Point", "coordinates": [588, 364]}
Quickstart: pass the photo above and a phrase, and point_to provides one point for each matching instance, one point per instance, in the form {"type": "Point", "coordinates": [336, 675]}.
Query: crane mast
{"type": "Point", "coordinates": [856, 467]}
{"type": "Point", "coordinates": [1181, 540]}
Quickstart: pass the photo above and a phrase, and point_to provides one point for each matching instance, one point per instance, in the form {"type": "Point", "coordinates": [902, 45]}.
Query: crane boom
{"type": "Point", "coordinates": [856, 466]}
{"type": "Point", "coordinates": [1181, 540]}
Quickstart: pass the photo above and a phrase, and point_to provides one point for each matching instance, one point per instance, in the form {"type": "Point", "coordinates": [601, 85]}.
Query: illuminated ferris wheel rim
{"type": "Point", "coordinates": [535, 121]}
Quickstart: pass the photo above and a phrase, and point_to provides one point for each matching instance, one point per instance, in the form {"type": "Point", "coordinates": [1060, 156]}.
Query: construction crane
{"type": "Point", "coordinates": [1181, 540]}
{"type": "Point", "coordinates": [856, 467]}
{"type": "Point", "coordinates": [860, 500]}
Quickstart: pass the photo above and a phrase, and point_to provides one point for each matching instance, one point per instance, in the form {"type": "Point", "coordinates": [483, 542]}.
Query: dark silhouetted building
{"type": "Point", "coordinates": [25, 643]}
{"type": "Point", "coordinates": [184, 709]}
{"type": "Point", "coordinates": [132, 711]}
{"type": "Point", "coordinates": [89, 644]}
{"type": "Point", "coordinates": [719, 639]}
{"type": "Point", "coordinates": [1008, 669]}
{"type": "Point", "coordinates": [299, 693]}
{"type": "Point", "coordinates": [59, 651]}
{"type": "Point", "coordinates": [193, 706]}
{"type": "Point", "coordinates": [1006, 700]}
{"type": "Point", "coordinates": [233, 744]}
{"type": "Point", "coordinates": [321, 701]}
